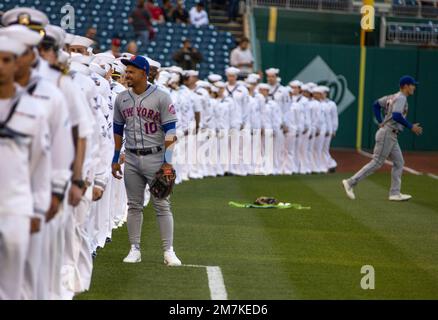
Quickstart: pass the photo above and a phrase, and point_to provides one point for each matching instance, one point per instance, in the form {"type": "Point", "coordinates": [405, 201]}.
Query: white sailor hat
{"type": "Point", "coordinates": [326, 89]}
{"type": "Point", "coordinates": [32, 18]}
{"type": "Point", "coordinates": [192, 73]}
{"type": "Point", "coordinates": [203, 84]}
{"type": "Point", "coordinates": [232, 71]}
{"type": "Point", "coordinates": [98, 69]}
{"type": "Point", "coordinates": [103, 58]}
{"type": "Point", "coordinates": [311, 84]}
{"type": "Point", "coordinates": [174, 77]}
{"type": "Point", "coordinates": [54, 33]}
{"type": "Point", "coordinates": [264, 86]}
{"type": "Point", "coordinates": [251, 80]}
{"type": "Point", "coordinates": [119, 67]}
{"type": "Point", "coordinates": [318, 89]}
{"type": "Point", "coordinates": [306, 87]}
{"type": "Point", "coordinates": [22, 34]}
{"type": "Point", "coordinates": [175, 69]}
{"type": "Point", "coordinates": [81, 41]}
{"type": "Point", "coordinates": [153, 63]}
{"type": "Point", "coordinates": [11, 45]}
{"type": "Point", "coordinates": [214, 77]}
{"type": "Point", "coordinates": [273, 71]}
{"type": "Point", "coordinates": [295, 83]}
{"type": "Point", "coordinates": [219, 84]}
{"type": "Point", "coordinates": [127, 55]}
{"type": "Point", "coordinates": [254, 75]}
{"type": "Point", "coordinates": [69, 37]}
{"type": "Point", "coordinates": [163, 77]}
{"type": "Point", "coordinates": [79, 67]}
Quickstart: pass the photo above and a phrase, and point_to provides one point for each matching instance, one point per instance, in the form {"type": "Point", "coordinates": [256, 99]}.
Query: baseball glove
{"type": "Point", "coordinates": [164, 181]}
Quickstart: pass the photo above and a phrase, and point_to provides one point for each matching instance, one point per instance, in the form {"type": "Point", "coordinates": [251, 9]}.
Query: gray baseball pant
{"type": "Point", "coordinates": [386, 147]}
{"type": "Point", "coordinates": [139, 171]}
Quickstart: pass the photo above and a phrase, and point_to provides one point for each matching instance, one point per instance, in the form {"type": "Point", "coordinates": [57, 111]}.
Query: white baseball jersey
{"type": "Point", "coordinates": [25, 150]}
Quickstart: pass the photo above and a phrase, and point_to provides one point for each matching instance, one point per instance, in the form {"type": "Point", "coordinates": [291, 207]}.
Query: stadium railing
{"type": "Point", "coordinates": [411, 8]}
{"type": "Point", "coordinates": [412, 33]}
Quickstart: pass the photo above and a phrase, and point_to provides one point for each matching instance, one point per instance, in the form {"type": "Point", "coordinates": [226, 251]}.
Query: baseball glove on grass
{"type": "Point", "coordinates": [164, 181]}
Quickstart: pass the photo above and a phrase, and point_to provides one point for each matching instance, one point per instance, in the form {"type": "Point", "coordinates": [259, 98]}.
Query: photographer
{"type": "Point", "coordinates": [187, 57]}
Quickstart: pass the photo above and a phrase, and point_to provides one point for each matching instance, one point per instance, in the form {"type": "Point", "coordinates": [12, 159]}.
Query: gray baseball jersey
{"type": "Point", "coordinates": [143, 116]}
{"type": "Point", "coordinates": [396, 102]}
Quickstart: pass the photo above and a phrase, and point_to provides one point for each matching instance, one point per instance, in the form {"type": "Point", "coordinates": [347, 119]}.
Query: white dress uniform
{"type": "Point", "coordinates": [333, 122]}
{"type": "Point", "coordinates": [77, 264]}
{"type": "Point", "coordinates": [315, 116]}
{"type": "Point", "coordinates": [323, 124]}
{"type": "Point", "coordinates": [80, 116]}
{"type": "Point", "coordinates": [294, 125]}
{"type": "Point", "coordinates": [280, 95]}
{"type": "Point", "coordinates": [204, 134]}
{"type": "Point", "coordinates": [118, 208]}
{"type": "Point", "coordinates": [188, 118]}
{"type": "Point", "coordinates": [304, 137]}
{"type": "Point", "coordinates": [267, 108]}
{"type": "Point", "coordinates": [223, 108]}
{"type": "Point", "coordinates": [238, 113]}
{"type": "Point", "coordinates": [36, 285]}
{"type": "Point", "coordinates": [26, 191]}
{"type": "Point", "coordinates": [179, 159]}
{"type": "Point", "coordinates": [197, 105]}
{"type": "Point", "coordinates": [254, 105]}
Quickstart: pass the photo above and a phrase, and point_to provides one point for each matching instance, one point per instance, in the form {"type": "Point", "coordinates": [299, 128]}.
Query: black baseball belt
{"type": "Point", "coordinates": [146, 151]}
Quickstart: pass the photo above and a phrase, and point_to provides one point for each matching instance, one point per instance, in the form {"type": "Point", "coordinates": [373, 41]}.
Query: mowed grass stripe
{"type": "Point", "coordinates": [234, 239]}
{"type": "Point", "coordinates": [402, 232]}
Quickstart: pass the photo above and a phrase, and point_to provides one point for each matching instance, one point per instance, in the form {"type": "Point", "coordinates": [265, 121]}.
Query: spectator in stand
{"type": "Point", "coordinates": [115, 47]}
{"type": "Point", "coordinates": [198, 16]}
{"type": "Point", "coordinates": [132, 48]}
{"type": "Point", "coordinates": [155, 12]}
{"type": "Point", "coordinates": [91, 34]}
{"type": "Point", "coordinates": [233, 10]}
{"type": "Point", "coordinates": [141, 22]}
{"type": "Point", "coordinates": [187, 57]}
{"type": "Point", "coordinates": [180, 15]}
{"type": "Point", "coordinates": [167, 10]}
{"type": "Point", "coordinates": [241, 58]}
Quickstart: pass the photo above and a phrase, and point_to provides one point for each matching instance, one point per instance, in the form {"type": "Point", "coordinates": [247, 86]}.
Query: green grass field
{"type": "Point", "coordinates": [284, 254]}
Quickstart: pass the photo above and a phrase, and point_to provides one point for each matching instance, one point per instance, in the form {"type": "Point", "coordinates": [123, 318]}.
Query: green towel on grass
{"type": "Point", "coordinates": [281, 205]}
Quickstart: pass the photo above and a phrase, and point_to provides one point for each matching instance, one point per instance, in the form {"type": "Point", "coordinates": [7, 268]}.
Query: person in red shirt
{"type": "Point", "coordinates": [155, 11]}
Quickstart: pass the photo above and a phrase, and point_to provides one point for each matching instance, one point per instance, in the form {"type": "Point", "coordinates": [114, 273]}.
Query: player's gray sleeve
{"type": "Point", "coordinates": [399, 103]}
{"type": "Point", "coordinates": [167, 110]}
{"type": "Point", "coordinates": [382, 101]}
{"type": "Point", "coordinates": [118, 117]}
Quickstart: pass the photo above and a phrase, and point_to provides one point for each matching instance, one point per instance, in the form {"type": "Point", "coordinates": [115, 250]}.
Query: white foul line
{"type": "Point", "coordinates": [410, 170]}
{"type": "Point", "coordinates": [215, 281]}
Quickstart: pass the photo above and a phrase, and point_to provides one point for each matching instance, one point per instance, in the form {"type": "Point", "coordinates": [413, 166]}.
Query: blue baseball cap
{"type": "Point", "coordinates": [407, 80]}
{"type": "Point", "coordinates": [139, 62]}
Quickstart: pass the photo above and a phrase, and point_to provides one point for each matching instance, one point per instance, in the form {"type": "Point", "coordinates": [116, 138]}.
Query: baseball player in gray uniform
{"type": "Point", "coordinates": [147, 115]}
{"type": "Point", "coordinates": [395, 109]}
